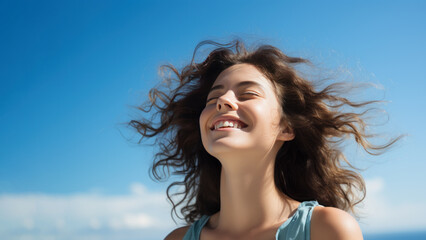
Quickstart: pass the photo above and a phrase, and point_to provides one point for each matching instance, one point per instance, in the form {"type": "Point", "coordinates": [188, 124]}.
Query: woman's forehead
{"type": "Point", "coordinates": [241, 73]}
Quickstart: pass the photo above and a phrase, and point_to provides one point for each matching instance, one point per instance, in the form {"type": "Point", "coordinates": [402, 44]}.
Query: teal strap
{"type": "Point", "coordinates": [194, 231]}
{"type": "Point", "coordinates": [297, 227]}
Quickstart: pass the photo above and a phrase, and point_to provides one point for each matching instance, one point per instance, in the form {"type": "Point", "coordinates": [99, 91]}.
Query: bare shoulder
{"type": "Point", "coordinates": [177, 234]}
{"type": "Point", "coordinates": [332, 223]}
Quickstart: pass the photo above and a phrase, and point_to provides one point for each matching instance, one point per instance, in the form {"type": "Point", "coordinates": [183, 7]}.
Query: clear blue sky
{"type": "Point", "coordinates": [71, 70]}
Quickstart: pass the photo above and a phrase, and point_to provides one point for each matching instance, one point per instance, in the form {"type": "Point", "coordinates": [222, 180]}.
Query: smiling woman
{"type": "Point", "coordinates": [257, 146]}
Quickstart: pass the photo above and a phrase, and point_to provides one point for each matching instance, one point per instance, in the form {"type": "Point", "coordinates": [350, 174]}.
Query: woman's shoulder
{"type": "Point", "coordinates": [177, 234]}
{"type": "Point", "coordinates": [332, 223]}
{"type": "Point", "coordinates": [194, 230]}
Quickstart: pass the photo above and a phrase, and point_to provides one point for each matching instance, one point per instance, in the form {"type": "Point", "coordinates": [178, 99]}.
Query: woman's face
{"type": "Point", "coordinates": [242, 114]}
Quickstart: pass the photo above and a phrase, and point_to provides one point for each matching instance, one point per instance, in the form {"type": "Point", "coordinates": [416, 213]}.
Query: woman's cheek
{"type": "Point", "coordinates": [204, 116]}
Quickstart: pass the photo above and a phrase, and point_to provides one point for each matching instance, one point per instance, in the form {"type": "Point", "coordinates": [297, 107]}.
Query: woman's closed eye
{"type": "Point", "coordinates": [249, 94]}
{"type": "Point", "coordinates": [211, 99]}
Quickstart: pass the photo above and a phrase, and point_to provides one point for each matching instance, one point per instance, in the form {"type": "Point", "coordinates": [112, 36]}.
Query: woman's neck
{"type": "Point", "coordinates": [249, 198]}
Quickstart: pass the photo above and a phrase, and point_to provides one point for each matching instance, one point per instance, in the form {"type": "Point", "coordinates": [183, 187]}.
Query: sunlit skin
{"type": "Point", "coordinates": [251, 205]}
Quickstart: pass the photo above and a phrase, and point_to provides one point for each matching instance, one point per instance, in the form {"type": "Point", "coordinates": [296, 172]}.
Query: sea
{"type": "Point", "coordinates": [395, 236]}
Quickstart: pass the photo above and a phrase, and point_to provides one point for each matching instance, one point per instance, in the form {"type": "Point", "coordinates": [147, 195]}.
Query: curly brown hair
{"type": "Point", "coordinates": [310, 167]}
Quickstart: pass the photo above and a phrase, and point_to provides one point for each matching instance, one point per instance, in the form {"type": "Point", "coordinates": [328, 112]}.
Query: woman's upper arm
{"type": "Point", "coordinates": [332, 223]}
{"type": "Point", "coordinates": [177, 234]}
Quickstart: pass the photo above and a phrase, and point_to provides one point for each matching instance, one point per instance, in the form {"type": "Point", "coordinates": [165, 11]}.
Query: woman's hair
{"type": "Point", "coordinates": [309, 167]}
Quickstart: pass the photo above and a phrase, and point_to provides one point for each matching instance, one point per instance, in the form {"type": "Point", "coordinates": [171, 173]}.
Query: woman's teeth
{"type": "Point", "coordinates": [227, 124]}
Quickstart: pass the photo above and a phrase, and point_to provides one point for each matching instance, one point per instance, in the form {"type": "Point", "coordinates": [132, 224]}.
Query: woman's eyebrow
{"type": "Point", "coordinates": [240, 84]}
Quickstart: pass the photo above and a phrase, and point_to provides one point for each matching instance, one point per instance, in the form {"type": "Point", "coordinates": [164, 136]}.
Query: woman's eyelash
{"type": "Point", "coordinates": [208, 100]}
{"type": "Point", "coordinates": [251, 93]}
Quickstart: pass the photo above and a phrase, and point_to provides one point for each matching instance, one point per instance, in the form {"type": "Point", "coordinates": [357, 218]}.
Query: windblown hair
{"type": "Point", "coordinates": [310, 167]}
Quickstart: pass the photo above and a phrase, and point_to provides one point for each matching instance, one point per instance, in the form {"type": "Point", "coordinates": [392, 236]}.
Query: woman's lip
{"type": "Point", "coordinates": [226, 129]}
{"type": "Point", "coordinates": [228, 118]}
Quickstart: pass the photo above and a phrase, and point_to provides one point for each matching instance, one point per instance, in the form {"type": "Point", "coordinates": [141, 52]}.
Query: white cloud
{"type": "Point", "coordinates": [143, 214]}
{"type": "Point", "coordinates": [139, 215]}
{"type": "Point", "coordinates": [379, 213]}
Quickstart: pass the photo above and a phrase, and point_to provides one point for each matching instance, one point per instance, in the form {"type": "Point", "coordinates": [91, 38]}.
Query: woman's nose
{"type": "Point", "coordinates": [225, 103]}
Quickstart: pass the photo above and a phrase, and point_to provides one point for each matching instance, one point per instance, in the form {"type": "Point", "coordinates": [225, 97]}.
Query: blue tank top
{"type": "Point", "coordinates": [297, 227]}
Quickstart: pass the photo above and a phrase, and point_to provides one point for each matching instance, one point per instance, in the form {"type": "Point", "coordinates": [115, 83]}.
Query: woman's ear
{"type": "Point", "coordinates": [286, 134]}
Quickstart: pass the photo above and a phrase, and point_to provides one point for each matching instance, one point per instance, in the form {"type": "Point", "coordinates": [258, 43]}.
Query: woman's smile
{"type": "Point", "coordinates": [224, 122]}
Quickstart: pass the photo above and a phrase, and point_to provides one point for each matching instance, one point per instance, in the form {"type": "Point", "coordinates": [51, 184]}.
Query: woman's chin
{"type": "Point", "coordinates": [222, 149]}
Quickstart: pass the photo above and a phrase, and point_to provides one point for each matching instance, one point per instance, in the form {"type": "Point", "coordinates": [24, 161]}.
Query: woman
{"type": "Point", "coordinates": [258, 148]}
